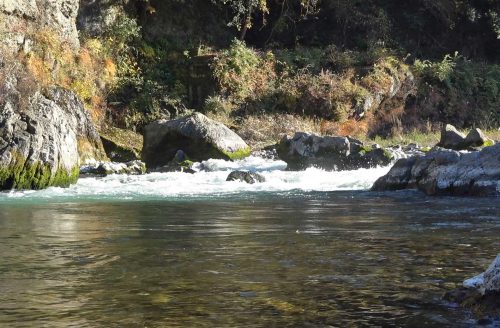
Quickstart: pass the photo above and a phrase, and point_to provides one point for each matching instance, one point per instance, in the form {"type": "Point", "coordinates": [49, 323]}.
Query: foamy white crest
{"type": "Point", "coordinates": [210, 180]}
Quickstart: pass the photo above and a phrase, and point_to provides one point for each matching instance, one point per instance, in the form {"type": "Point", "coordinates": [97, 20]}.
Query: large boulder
{"type": "Point", "coordinates": [331, 153]}
{"type": "Point", "coordinates": [44, 140]}
{"type": "Point", "coordinates": [476, 138]}
{"type": "Point", "coordinates": [451, 138]}
{"type": "Point", "coordinates": [198, 136]}
{"type": "Point", "coordinates": [447, 172]}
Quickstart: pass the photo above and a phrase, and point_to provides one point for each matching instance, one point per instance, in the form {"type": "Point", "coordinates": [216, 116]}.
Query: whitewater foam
{"type": "Point", "coordinates": [209, 180]}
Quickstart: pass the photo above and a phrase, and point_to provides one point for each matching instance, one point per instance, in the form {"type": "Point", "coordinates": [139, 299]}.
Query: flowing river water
{"type": "Point", "coordinates": [303, 249]}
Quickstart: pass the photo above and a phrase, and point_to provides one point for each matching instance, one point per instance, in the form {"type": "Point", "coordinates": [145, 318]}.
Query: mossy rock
{"type": "Point", "coordinates": [199, 137]}
{"type": "Point", "coordinates": [121, 145]}
{"type": "Point", "coordinates": [21, 175]}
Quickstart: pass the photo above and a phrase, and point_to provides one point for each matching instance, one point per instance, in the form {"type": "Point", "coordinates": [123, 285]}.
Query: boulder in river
{"type": "Point", "coordinates": [481, 293]}
{"type": "Point", "coordinates": [447, 172]}
{"type": "Point", "coordinates": [245, 176]}
{"type": "Point", "coordinates": [332, 153]}
{"type": "Point", "coordinates": [198, 136]}
{"type": "Point", "coordinates": [43, 140]}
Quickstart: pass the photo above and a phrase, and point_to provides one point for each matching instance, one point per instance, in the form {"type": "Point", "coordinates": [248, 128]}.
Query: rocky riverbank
{"type": "Point", "coordinates": [54, 135]}
{"type": "Point", "coordinates": [469, 171]}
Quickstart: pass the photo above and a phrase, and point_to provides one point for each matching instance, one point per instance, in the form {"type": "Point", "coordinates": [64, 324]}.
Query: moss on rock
{"type": "Point", "coordinates": [121, 145]}
{"type": "Point", "coordinates": [239, 154]}
{"type": "Point", "coordinates": [21, 174]}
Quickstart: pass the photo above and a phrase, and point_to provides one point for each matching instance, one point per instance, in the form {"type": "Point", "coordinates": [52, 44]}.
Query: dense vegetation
{"type": "Point", "coordinates": [265, 67]}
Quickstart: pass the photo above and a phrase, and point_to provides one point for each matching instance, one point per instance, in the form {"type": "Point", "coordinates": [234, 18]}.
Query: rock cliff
{"type": "Point", "coordinates": [20, 19]}
{"type": "Point", "coordinates": [43, 137]}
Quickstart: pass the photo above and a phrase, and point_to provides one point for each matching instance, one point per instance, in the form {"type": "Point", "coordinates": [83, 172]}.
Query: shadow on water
{"type": "Point", "coordinates": [262, 260]}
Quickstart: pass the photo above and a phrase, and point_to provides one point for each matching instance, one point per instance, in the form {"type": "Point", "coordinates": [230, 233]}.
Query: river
{"type": "Point", "coordinates": [303, 249]}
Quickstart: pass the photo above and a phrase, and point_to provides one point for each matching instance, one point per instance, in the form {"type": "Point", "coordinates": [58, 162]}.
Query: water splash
{"type": "Point", "coordinates": [210, 180]}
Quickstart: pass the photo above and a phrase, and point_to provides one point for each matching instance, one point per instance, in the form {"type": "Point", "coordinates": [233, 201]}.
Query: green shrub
{"type": "Point", "coordinates": [438, 71]}
{"type": "Point", "coordinates": [459, 91]}
{"type": "Point", "coordinates": [242, 72]}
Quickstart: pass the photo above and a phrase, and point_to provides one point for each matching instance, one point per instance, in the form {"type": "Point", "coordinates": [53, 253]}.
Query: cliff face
{"type": "Point", "coordinates": [20, 18]}
{"type": "Point", "coordinates": [95, 16]}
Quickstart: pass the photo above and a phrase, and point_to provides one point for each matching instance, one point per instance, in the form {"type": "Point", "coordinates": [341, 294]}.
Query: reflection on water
{"type": "Point", "coordinates": [314, 260]}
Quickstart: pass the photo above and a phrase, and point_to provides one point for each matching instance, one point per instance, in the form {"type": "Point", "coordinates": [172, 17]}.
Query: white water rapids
{"type": "Point", "coordinates": [210, 180]}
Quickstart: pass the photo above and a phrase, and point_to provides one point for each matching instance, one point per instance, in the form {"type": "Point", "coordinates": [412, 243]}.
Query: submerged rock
{"type": "Point", "coordinates": [198, 136]}
{"type": "Point", "coordinates": [447, 172]}
{"type": "Point", "coordinates": [245, 176]}
{"type": "Point", "coordinates": [331, 153]}
{"type": "Point", "coordinates": [488, 281]}
{"type": "Point", "coordinates": [107, 168]}
{"type": "Point", "coordinates": [44, 140]}
{"type": "Point", "coordinates": [481, 293]}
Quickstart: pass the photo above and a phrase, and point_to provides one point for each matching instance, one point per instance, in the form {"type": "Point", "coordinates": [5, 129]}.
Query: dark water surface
{"type": "Point", "coordinates": [341, 259]}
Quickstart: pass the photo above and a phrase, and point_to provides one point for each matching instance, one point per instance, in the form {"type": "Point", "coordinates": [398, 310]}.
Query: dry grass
{"type": "Point", "coordinates": [494, 134]}
{"type": "Point", "coordinates": [426, 139]}
{"type": "Point", "coordinates": [349, 127]}
{"type": "Point", "coordinates": [264, 130]}
{"type": "Point", "coordinates": [88, 71]}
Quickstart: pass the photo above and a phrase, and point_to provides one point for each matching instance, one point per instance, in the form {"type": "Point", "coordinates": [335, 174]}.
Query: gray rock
{"type": "Point", "coordinates": [451, 138]}
{"type": "Point", "coordinates": [107, 168]}
{"type": "Point", "coordinates": [121, 145]}
{"type": "Point", "coordinates": [401, 85]}
{"type": "Point", "coordinates": [44, 140]}
{"type": "Point", "coordinates": [399, 177]}
{"type": "Point", "coordinates": [447, 172]}
{"type": "Point", "coordinates": [58, 16]}
{"type": "Point", "coordinates": [488, 281]}
{"type": "Point", "coordinates": [492, 277]}
{"type": "Point", "coordinates": [180, 156]}
{"type": "Point", "coordinates": [476, 138]}
{"type": "Point", "coordinates": [180, 163]}
{"type": "Point", "coordinates": [198, 136]}
{"type": "Point", "coordinates": [95, 17]}
{"type": "Point", "coordinates": [480, 294]}
{"type": "Point", "coordinates": [244, 176]}
{"type": "Point", "coordinates": [90, 146]}
{"type": "Point", "coordinates": [333, 153]}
